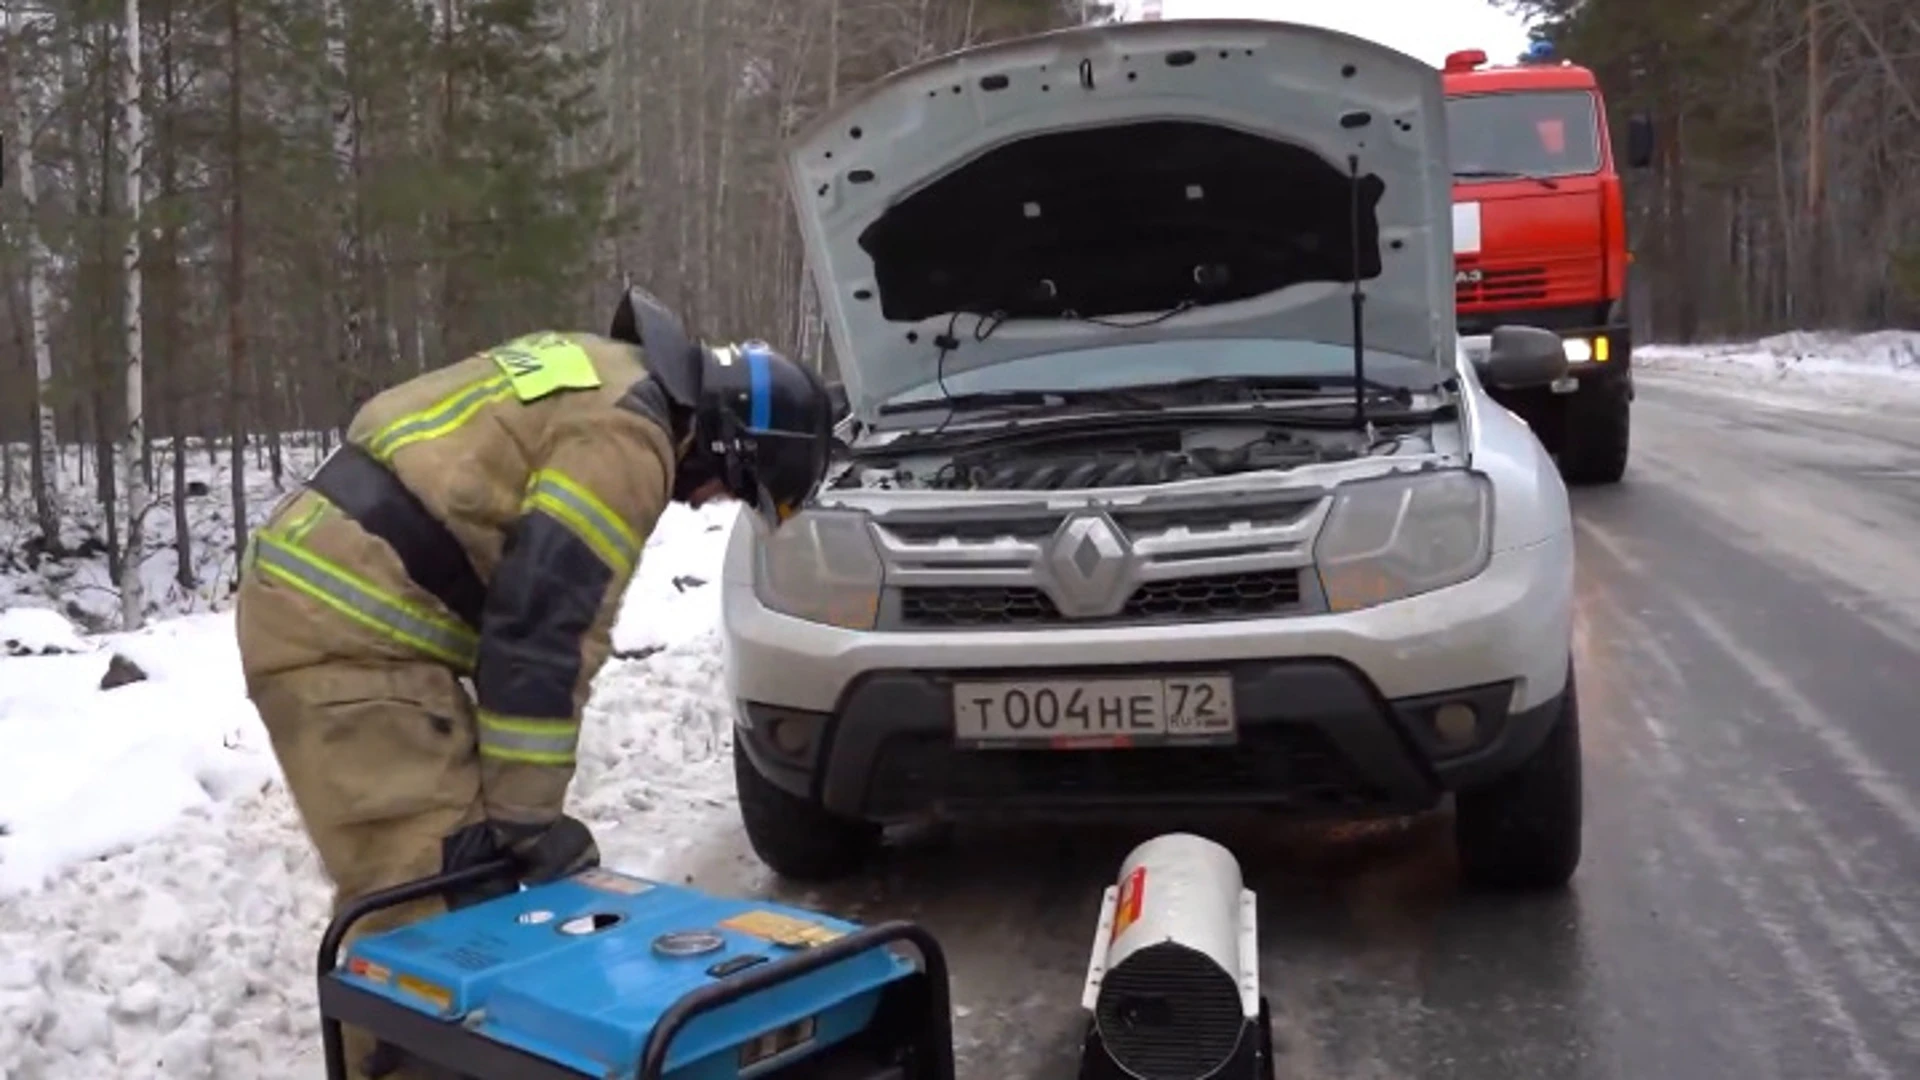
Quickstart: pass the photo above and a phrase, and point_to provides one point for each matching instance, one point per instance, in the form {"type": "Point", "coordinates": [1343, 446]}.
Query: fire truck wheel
{"type": "Point", "coordinates": [1522, 831]}
{"type": "Point", "coordinates": [797, 838]}
{"type": "Point", "coordinates": [1598, 424]}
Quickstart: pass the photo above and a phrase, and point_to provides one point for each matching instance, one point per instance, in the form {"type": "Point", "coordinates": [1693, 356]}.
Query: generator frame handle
{"type": "Point", "coordinates": [936, 1041]}
{"type": "Point", "coordinates": [332, 1041]}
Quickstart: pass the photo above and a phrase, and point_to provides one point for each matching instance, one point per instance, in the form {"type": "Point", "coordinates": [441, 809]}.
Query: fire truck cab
{"type": "Point", "coordinates": [1540, 239]}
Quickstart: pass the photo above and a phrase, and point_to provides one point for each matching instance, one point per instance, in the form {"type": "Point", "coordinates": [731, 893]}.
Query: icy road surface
{"type": "Point", "coordinates": [1749, 651]}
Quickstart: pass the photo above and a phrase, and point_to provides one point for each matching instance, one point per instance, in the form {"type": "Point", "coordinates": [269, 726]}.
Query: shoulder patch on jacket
{"type": "Point", "coordinates": [542, 364]}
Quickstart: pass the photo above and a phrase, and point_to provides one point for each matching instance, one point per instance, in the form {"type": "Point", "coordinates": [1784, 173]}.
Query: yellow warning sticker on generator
{"type": "Point", "coordinates": [439, 995]}
{"type": "Point", "coordinates": [783, 930]}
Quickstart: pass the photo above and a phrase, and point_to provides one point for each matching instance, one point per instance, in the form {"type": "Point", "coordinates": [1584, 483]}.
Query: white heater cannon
{"type": "Point", "coordinates": [1173, 985]}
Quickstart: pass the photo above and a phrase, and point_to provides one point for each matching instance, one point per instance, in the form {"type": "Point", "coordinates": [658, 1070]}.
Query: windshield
{"type": "Point", "coordinates": [1112, 367]}
{"type": "Point", "coordinates": [1532, 133]}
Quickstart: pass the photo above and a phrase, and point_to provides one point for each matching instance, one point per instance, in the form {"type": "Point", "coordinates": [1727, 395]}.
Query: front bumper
{"type": "Point", "coordinates": [1334, 709]}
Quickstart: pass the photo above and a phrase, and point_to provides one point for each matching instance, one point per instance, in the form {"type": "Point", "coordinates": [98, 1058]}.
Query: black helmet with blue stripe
{"type": "Point", "coordinates": [762, 424]}
{"type": "Point", "coordinates": [769, 423]}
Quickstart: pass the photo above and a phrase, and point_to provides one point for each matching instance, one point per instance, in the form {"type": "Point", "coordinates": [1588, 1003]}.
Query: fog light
{"type": "Point", "coordinates": [1579, 350]}
{"type": "Point", "coordinates": [791, 735]}
{"type": "Point", "coordinates": [1457, 725]}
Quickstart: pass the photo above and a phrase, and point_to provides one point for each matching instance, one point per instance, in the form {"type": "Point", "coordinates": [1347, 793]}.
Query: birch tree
{"type": "Point", "coordinates": [45, 475]}
{"type": "Point", "coordinates": [133, 440]}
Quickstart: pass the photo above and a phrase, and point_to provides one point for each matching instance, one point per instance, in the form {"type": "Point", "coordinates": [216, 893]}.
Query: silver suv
{"type": "Point", "coordinates": [1164, 482]}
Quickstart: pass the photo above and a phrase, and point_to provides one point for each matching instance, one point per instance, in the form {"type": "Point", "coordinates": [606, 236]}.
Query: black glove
{"type": "Point", "coordinates": [549, 852]}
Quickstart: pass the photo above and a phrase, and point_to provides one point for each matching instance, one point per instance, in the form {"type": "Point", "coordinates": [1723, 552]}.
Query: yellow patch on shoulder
{"type": "Point", "coordinates": [542, 364]}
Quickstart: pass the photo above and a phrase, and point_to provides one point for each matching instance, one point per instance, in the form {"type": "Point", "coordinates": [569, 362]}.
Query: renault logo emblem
{"type": "Point", "coordinates": [1087, 561]}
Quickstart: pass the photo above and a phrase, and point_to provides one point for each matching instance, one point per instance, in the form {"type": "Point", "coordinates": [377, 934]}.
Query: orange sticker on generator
{"type": "Point", "coordinates": [1126, 910]}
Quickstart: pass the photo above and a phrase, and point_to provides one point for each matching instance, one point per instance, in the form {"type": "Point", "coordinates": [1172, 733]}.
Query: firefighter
{"type": "Point", "coordinates": [419, 626]}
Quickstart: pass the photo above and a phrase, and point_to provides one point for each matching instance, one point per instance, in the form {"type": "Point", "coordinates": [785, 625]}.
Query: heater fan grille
{"type": "Point", "coordinates": [1168, 1012]}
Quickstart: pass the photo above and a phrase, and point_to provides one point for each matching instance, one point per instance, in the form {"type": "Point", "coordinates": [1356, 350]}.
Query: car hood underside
{"type": "Point", "coordinates": [1072, 189]}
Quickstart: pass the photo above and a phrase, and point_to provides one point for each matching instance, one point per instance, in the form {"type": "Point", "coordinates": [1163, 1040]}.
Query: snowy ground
{"type": "Point", "coordinates": [1858, 372]}
{"type": "Point", "coordinates": [158, 903]}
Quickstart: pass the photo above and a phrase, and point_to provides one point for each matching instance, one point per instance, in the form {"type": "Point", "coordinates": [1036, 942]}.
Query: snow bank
{"type": "Point", "coordinates": [38, 632]}
{"type": "Point", "coordinates": [1833, 365]}
{"type": "Point", "coordinates": [88, 772]}
{"type": "Point", "coordinates": [161, 903]}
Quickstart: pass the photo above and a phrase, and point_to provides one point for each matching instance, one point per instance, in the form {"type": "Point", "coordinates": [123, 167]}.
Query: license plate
{"type": "Point", "coordinates": [1071, 714]}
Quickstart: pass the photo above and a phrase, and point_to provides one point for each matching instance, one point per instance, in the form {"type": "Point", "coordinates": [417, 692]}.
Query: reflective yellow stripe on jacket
{"type": "Point", "coordinates": [363, 602]}
{"type": "Point", "coordinates": [440, 418]}
{"type": "Point", "coordinates": [585, 516]}
{"type": "Point", "coordinates": [526, 741]}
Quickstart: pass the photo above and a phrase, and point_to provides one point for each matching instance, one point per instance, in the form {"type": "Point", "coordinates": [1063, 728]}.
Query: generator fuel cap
{"type": "Point", "coordinates": [688, 943]}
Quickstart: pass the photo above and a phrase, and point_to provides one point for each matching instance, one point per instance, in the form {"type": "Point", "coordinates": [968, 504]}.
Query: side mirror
{"type": "Point", "coordinates": [1639, 141]}
{"type": "Point", "coordinates": [837, 394]}
{"type": "Point", "coordinates": [1524, 356]}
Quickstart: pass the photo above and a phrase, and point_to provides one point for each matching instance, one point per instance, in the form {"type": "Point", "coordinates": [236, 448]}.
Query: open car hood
{"type": "Point", "coordinates": [997, 199]}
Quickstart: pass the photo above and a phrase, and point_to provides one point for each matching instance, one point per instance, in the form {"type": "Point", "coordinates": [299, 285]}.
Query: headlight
{"type": "Point", "coordinates": [1591, 350]}
{"type": "Point", "coordinates": [821, 566]}
{"type": "Point", "coordinates": [1401, 536]}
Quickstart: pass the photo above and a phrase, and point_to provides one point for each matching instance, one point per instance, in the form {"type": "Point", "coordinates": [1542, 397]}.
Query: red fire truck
{"type": "Point", "coordinates": [1540, 238]}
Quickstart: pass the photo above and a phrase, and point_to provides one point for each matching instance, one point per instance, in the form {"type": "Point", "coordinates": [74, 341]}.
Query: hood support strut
{"type": "Point", "coordinates": [1359, 299]}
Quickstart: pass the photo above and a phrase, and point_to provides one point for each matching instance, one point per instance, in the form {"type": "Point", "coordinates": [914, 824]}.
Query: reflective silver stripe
{"type": "Point", "coordinates": [534, 742]}
{"type": "Point", "coordinates": [582, 514]}
{"type": "Point", "coordinates": [611, 530]}
{"type": "Point", "coordinates": [336, 588]}
{"type": "Point", "coordinates": [440, 417]}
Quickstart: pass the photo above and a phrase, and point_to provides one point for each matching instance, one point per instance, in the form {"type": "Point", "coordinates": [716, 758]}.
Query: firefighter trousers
{"type": "Point", "coordinates": [382, 761]}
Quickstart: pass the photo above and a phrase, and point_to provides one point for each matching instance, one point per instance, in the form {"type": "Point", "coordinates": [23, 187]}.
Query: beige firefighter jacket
{"type": "Point", "coordinates": [548, 459]}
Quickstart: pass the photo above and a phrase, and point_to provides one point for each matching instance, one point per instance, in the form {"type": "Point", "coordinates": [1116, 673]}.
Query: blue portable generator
{"type": "Point", "coordinates": [614, 977]}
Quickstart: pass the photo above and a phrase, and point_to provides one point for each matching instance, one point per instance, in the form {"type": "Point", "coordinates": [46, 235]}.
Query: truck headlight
{"type": "Point", "coordinates": [1401, 536]}
{"type": "Point", "coordinates": [1588, 350]}
{"type": "Point", "coordinates": [822, 566]}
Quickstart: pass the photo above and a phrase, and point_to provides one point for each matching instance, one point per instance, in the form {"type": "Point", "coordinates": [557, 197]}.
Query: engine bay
{"type": "Point", "coordinates": [1083, 461]}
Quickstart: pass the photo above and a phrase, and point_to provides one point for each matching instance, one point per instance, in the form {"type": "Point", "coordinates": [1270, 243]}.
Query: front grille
{"type": "Point", "coordinates": [1168, 1012]}
{"type": "Point", "coordinates": [944, 606]}
{"type": "Point", "coordinates": [1218, 596]}
{"type": "Point", "coordinates": [1288, 765]}
{"type": "Point", "coordinates": [1565, 280]}
{"type": "Point", "coordinates": [1224, 596]}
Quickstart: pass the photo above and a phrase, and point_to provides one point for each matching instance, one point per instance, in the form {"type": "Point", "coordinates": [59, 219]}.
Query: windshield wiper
{"type": "Point", "coordinates": [1025, 399]}
{"type": "Point", "coordinates": [1291, 386]}
{"type": "Point", "coordinates": [1506, 174]}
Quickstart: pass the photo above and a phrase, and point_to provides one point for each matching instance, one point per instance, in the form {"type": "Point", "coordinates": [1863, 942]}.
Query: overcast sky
{"type": "Point", "coordinates": [1428, 29]}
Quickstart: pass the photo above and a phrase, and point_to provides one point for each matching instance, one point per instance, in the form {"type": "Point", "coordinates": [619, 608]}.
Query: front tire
{"type": "Point", "coordinates": [1522, 831]}
{"type": "Point", "coordinates": [797, 838]}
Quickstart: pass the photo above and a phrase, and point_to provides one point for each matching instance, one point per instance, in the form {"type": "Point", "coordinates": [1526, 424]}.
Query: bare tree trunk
{"type": "Point", "coordinates": [170, 300]}
{"type": "Point", "coordinates": [45, 476]}
{"type": "Point", "coordinates": [347, 260]}
{"type": "Point", "coordinates": [236, 283]}
{"type": "Point", "coordinates": [134, 442]}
